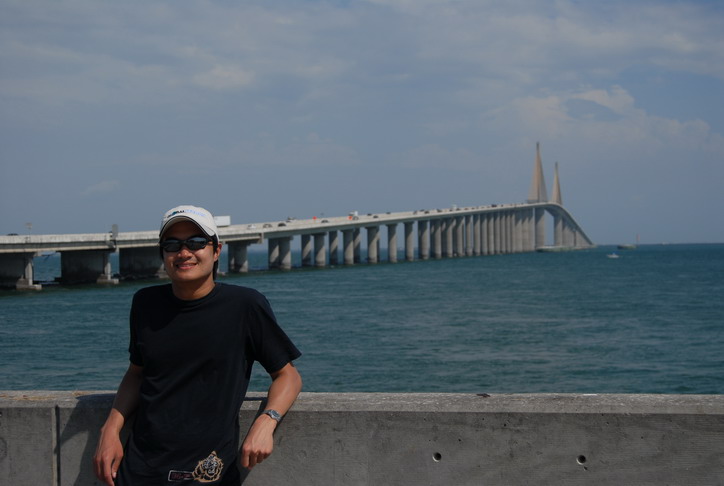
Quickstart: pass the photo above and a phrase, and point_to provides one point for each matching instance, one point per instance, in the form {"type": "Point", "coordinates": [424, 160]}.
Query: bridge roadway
{"type": "Point", "coordinates": [441, 233]}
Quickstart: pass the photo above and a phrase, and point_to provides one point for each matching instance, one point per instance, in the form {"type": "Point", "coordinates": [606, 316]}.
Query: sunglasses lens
{"type": "Point", "coordinates": [171, 246]}
{"type": "Point", "coordinates": [196, 243]}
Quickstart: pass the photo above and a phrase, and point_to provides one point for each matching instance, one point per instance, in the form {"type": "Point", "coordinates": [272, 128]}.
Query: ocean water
{"type": "Point", "coordinates": [651, 321]}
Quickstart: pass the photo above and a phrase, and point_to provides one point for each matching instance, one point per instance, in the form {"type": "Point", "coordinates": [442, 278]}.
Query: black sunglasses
{"type": "Point", "coordinates": [194, 243]}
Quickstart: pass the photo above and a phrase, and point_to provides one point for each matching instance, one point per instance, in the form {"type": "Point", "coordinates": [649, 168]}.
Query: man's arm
{"type": "Point", "coordinates": [110, 450]}
{"type": "Point", "coordinates": [259, 442]}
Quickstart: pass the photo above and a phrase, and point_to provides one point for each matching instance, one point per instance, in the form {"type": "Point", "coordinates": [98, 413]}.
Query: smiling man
{"type": "Point", "coordinates": [193, 343]}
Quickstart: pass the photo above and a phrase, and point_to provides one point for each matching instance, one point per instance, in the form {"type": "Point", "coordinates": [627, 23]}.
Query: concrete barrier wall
{"type": "Point", "coordinates": [48, 438]}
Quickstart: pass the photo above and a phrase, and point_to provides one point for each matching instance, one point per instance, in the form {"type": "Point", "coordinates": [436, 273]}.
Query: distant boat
{"type": "Point", "coordinates": [612, 255]}
{"type": "Point", "coordinates": [629, 246]}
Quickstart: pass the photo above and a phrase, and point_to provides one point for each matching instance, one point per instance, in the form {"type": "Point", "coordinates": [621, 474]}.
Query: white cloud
{"type": "Point", "coordinates": [312, 87]}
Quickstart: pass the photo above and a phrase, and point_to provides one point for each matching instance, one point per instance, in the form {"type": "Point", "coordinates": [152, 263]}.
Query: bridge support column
{"type": "Point", "coordinates": [436, 238]}
{"type": "Point", "coordinates": [531, 229]}
{"type": "Point", "coordinates": [285, 253]}
{"type": "Point", "coordinates": [483, 233]}
{"type": "Point", "coordinates": [86, 266]}
{"type": "Point", "coordinates": [409, 241]}
{"type": "Point", "coordinates": [496, 233]}
{"type": "Point", "coordinates": [333, 247]}
{"type": "Point", "coordinates": [348, 244]}
{"type": "Point", "coordinates": [238, 257]}
{"type": "Point", "coordinates": [459, 237]}
{"type": "Point", "coordinates": [107, 276]}
{"type": "Point", "coordinates": [306, 250]}
{"type": "Point", "coordinates": [569, 237]}
{"type": "Point", "coordinates": [143, 262]}
{"type": "Point", "coordinates": [273, 246]}
{"type": "Point", "coordinates": [557, 230]}
{"type": "Point", "coordinates": [423, 239]}
{"type": "Point", "coordinates": [540, 227]}
{"type": "Point", "coordinates": [488, 230]}
{"type": "Point", "coordinates": [476, 234]}
{"type": "Point", "coordinates": [525, 230]}
{"type": "Point", "coordinates": [372, 244]}
{"type": "Point", "coordinates": [449, 238]}
{"type": "Point", "coordinates": [469, 236]}
{"type": "Point", "coordinates": [16, 271]}
{"type": "Point", "coordinates": [508, 232]}
{"type": "Point", "coordinates": [392, 243]}
{"type": "Point", "coordinates": [503, 233]}
{"type": "Point", "coordinates": [320, 257]}
{"type": "Point", "coordinates": [357, 246]}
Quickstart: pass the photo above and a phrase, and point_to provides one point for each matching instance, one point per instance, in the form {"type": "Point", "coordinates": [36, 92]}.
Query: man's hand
{"type": "Point", "coordinates": [109, 452]}
{"type": "Point", "coordinates": [108, 456]}
{"type": "Point", "coordinates": [259, 442]}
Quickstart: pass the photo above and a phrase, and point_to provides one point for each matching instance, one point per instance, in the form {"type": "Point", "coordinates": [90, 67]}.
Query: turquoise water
{"type": "Point", "coordinates": [651, 321]}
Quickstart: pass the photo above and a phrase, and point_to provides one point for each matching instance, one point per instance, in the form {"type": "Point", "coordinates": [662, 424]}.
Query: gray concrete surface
{"type": "Point", "coordinates": [412, 439]}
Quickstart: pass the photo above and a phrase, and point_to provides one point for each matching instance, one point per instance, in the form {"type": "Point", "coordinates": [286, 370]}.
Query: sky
{"type": "Point", "coordinates": [114, 112]}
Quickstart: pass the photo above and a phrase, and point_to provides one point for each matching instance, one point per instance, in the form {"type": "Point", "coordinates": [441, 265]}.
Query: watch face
{"type": "Point", "coordinates": [273, 414]}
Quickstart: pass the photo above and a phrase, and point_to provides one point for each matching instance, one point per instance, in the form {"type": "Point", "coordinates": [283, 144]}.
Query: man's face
{"type": "Point", "coordinates": [187, 266]}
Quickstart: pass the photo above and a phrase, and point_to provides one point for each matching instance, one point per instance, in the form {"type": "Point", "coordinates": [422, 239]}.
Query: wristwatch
{"type": "Point", "coordinates": [273, 414]}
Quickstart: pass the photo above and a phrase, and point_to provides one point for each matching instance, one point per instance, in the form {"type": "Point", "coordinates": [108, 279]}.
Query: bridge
{"type": "Point", "coordinates": [428, 233]}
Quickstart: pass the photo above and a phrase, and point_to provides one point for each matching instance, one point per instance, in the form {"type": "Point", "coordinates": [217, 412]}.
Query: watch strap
{"type": "Point", "coordinates": [273, 414]}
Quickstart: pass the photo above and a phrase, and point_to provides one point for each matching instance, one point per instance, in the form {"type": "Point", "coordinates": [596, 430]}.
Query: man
{"type": "Point", "coordinates": [193, 343]}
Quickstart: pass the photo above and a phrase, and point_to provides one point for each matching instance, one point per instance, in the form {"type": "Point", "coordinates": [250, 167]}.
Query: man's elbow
{"type": "Point", "coordinates": [288, 373]}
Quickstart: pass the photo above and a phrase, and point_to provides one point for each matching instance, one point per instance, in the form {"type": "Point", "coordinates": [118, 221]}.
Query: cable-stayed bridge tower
{"type": "Point", "coordinates": [567, 233]}
{"type": "Point", "coordinates": [493, 229]}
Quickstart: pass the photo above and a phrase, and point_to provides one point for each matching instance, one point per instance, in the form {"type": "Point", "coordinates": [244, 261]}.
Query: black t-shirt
{"type": "Point", "coordinates": [197, 358]}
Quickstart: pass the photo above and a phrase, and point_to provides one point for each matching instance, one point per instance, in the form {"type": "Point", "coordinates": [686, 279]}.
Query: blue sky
{"type": "Point", "coordinates": [113, 112]}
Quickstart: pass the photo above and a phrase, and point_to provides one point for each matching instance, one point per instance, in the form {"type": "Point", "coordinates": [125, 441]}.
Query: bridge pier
{"type": "Point", "coordinates": [142, 262]}
{"type": "Point", "coordinates": [508, 232]}
{"type": "Point", "coordinates": [306, 250]}
{"type": "Point", "coordinates": [86, 266]}
{"type": "Point", "coordinates": [357, 245]}
{"type": "Point", "coordinates": [392, 243]}
{"type": "Point", "coordinates": [423, 239]}
{"type": "Point", "coordinates": [333, 247]}
{"type": "Point", "coordinates": [409, 241]}
{"type": "Point", "coordinates": [436, 238]}
{"type": "Point", "coordinates": [285, 253]}
{"type": "Point", "coordinates": [484, 234]}
{"type": "Point", "coordinates": [540, 227]}
{"type": "Point", "coordinates": [348, 245]}
{"type": "Point", "coordinates": [320, 257]}
{"type": "Point", "coordinates": [16, 271]}
{"type": "Point", "coordinates": [372, 244]}
{"type": "Point", "coordinates": [469, 236]}
{"type": "Point", "coordinates": [557, 230]}
{"type": "Point", "coordinates": [273, 247]}
{"type": "Point", "coordinates": [449, 237]}
{"type": "Point", "coordinates": [459, 236]}
{"type": "Point", "coordinates": [238, 257]}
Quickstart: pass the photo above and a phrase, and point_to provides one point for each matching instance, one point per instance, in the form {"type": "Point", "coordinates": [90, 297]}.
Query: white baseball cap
{"type": "Point", "coordinates": [199, 216]}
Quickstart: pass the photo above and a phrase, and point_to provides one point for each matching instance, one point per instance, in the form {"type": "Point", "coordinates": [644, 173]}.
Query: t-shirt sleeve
{"type": "Point", "coordinates": [271, 347]}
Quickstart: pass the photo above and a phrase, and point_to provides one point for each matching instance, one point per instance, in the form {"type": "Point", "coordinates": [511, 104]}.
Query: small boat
{"type": "Point", "coordinates": [612, 255]}
{"type": "Point", "coordinates": [628, 246]}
